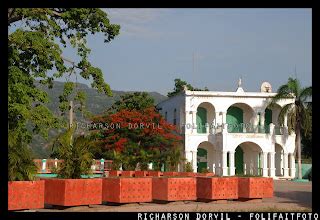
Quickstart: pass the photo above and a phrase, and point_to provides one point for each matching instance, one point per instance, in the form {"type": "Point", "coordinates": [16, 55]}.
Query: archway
{"type": "Point", "coordinates": [238, 115]}
{"type": "Point", "coordinates": [205, 116]}
{"type": "Point", "coordinates": [205, 156]}
{"type": "Point", "coordinates": [248, 158]}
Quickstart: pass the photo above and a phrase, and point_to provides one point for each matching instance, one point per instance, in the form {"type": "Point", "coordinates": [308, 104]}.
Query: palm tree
{"type": "Point", "coordinates": [75, 153]}
{"type": "Point", "coordinates": [20, 162]}
{"type": "Point", "coordinates": [298, 113]}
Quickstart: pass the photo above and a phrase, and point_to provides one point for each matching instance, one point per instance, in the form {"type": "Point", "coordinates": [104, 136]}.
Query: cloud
{"type": "Point", "coordinates": [139, 22]}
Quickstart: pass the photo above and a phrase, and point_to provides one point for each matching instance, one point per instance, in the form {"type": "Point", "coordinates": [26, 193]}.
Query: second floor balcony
{"type": "Point", "coordinates": [249, 128]}
{"type": "Point", "coordinates": [239, 128]}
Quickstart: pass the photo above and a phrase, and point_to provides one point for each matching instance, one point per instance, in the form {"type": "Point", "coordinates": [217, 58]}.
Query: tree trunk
{"type": "Point", "coordinates": [298, 146]}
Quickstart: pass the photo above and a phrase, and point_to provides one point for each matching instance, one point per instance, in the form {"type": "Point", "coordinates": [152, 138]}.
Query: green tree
{"type": "Point", "coordinates": [173, 156]}
{"type": "Point", "coordinates": [298, 113]}
{"type": "Point", "coordinates": [179, 86]}
{"type": "Point", "coordinates": [34, 49]}
{"type": "Point", "coordinates": [133, 101]}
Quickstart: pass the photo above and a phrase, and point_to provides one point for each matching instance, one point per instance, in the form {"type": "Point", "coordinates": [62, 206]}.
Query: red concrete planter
{"type": "Point", "coordinates": [127, 173]}
{"type": "Point", "coordinates": [127, 190]}
{"type": "Point", "coordinates": [174, 188]}
{"type": "Point", "coordinates": [155, 173]}
{"type": "Point", "coordinates": [140, 173]}
{"type": "Point", "coordinates": [25, 195]}
{"type": "Point", "coordinates": [216, 188]}
{"type": "Point", "coordinates": [205, 174]}
{"type": "Point", "coordinates": [115, 173]}
{"type": "Point", "coordinates": [190, 174]}
{"type": "Point", "coordinates": [73, 192]}
{"type": "Point", "coordinates": [170, 173]}
{"type": "Point", "coordinates": [255, 187]}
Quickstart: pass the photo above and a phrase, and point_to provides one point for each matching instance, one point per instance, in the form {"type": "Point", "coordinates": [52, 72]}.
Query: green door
{"type": "Point", "coordinates": [267, 119]}
{"type": "Point", "coordinates": [201, 120]}
{"type": "Point", "coordinates": [239, 160]}
{"type": "Point", "coordinates": [234, 119]}
{"type": "Point", "coordinates": [201, 159]}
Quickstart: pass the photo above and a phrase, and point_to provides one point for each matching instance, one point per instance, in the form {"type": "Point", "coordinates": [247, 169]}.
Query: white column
{"type": "Point", "coordinates": [285, 123]}
{"type": "Point", "coordinates": [285, 129]}
{"type": "Point", "coordinates": [255, 121]}
{"type": "Point", "coordinates": [194, 161]}
{"type": "Point", "coordinates": [224, 117]}
{"type": "Point", "coordinates": [272, 169]}
{"type": "Point", "coordinates": [262, 119]}
{"type": "Point", "coordinates": [271, 128]}
{"type": "Point", "coordinates": [285, 165]}
{"type": "Point", "coordinates": [188, 155]}
{"type": "Point", "coordinates": [218, 122]}
{"type": "Point", "coordinates": [265, 164]}
{"type": "Point", "coordinates": [194, 122]}
{"type": "Point", "coordinates": [188, 122]}
{"type": "Point", "coordinates": [44, 165]}
{"type": "Point", "coordinates": [232, 167]}
{"type": "Point", "coordinates": [217, 155]}
{"type": "Point", "coordinates": [281, 164]}
{"type": "Point", "coordinates": [292, 165]}
{"type": "Point", "coordinates": [224, 164]}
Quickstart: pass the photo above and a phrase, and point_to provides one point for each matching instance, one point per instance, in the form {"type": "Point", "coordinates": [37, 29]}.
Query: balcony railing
{"type": "Point", "coordinates": [248, 128]}
{"type": "Point", "coordinates": [278, 130]}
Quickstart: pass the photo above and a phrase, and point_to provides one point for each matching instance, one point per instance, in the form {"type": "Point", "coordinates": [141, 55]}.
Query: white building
{"type": "Point", "coordinates": [233, 132]}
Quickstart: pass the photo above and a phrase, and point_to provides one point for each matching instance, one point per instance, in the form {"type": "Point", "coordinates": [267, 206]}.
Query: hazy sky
{"type": "Point", "coordinates": [155, 46]}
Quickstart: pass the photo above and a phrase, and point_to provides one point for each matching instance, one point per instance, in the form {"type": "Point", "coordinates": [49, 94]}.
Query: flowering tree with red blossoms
{"type": "Point", "coordinates": [139, 136]}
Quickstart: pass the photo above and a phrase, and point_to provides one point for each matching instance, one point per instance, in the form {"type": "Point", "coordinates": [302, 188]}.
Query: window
{"type": "Point", "coordinates": [175, 117]}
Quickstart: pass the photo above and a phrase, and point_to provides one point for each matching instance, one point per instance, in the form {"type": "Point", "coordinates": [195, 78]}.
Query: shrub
{"type": "Point", "coordinates": [75, 151]}
{"type": "Point", "coordinates": [20, 162]}
{"type": "Point", "coordinates": [188, 167]}
{"type": "Point", "coordinates": [204, 170]}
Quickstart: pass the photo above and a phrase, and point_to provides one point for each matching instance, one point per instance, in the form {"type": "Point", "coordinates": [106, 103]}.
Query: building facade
{"type": "Point", "coordinates": [233, 133]}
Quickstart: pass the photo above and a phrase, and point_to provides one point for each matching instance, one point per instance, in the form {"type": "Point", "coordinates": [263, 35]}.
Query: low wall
{"type": "Point", "coordinates": [306, 169]}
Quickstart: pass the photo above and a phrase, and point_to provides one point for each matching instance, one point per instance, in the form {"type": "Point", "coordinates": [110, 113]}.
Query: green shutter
{"type": "Point", "coordinates": [239, 160]}
{"type": "Point", "coordinates": [201, 155]}
{"type": "Point", "coordinates": [234, 119]}
{"type": "Point", "coordinates": [267, 119]}
{"type": "Point", "coordinates": [201, 120]}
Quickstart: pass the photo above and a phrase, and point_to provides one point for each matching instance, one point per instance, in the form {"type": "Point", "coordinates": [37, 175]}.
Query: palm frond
{"type": "Point", "coordinates": [306, 115]}
{"type": "Point", "coordinates": [294, 86]}
{"type": "Point", "coordinates": [285, 110]}
{"type": "Point", "coordinates": [76, 154]}
{"type": "Point", "coordinates": [284, 92]}
{"type": "Point", "coordinates": [305, 93]}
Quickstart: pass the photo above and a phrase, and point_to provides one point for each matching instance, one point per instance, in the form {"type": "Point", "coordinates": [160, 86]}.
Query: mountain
{"type": "Point", "coordinates": [96, 103]}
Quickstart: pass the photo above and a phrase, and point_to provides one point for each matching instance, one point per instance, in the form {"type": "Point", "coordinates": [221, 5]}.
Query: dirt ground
{"type": "Point", "coordinates": [288, 196]}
